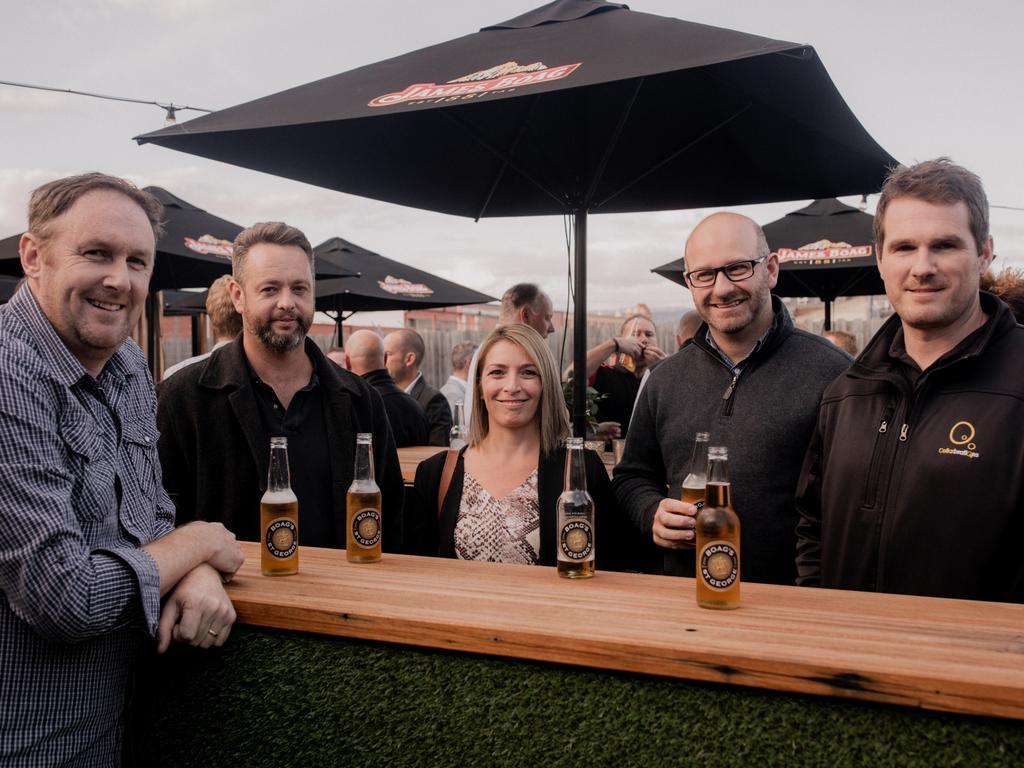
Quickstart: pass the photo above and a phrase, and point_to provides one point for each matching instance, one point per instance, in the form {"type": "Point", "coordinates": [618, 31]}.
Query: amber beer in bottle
{"type": "Point", "coordinates": [697, 474]}
{"type": "Point", "coordinates": [362, 506]}
{"type": "Point", "coordinates": [279, 516]}
{"type": "Point", "coordinates": [718, 539]}
{"type": "Point", "coordinates": [575, 517]}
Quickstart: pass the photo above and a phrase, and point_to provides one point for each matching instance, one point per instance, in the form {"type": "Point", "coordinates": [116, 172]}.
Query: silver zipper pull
{"type": "Point", "coordinates": [903, 433]}
{"type": "Point", "coordinates": [732, 386]}
{"type": "Point", "coordinates": [883, 427]}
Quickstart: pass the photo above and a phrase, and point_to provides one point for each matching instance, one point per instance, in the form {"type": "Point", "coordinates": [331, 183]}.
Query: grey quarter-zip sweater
{"type": "Point", "coordinates": [764, 415]}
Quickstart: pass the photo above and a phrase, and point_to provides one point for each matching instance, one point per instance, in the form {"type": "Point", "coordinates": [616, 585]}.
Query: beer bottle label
{"type": "Point", "coordinates": [576, 541]}
{"type": "Point", "coordinates": [719, 565]}
{"type": "Point", "coordinates": [366, 527]}
{"type": "Point", "coordinates": [282, 538]}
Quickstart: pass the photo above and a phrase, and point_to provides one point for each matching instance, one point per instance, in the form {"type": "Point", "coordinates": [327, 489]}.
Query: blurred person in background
{"type": "Point", "coordinates": [615, 368]}
{"type": "Point", "coordinates": [845, 341]}
{"type": "Point", "coordinates": [454, 390]}
{"type": "Point", "coordinates": [688, 325]}
{"type": "Point", "coordinates": [1008, 285]}
{"type": "Point", "coordinates": [403, 356]}
{"type": "Point", "coordinates": [364, 356]}
{"type": "Point", "coordinates": [224, 320]}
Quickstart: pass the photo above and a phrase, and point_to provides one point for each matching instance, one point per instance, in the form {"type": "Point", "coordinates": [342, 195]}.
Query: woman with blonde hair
{"type": "Point", "coordinates": [499, 504]}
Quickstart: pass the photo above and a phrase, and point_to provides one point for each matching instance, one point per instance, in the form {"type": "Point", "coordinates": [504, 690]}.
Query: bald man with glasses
{"type": "Point", "coordinates": [751, 379]}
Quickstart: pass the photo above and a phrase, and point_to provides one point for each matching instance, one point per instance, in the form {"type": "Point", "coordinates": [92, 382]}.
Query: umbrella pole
{"type": "Point", "coordinates": [579, 328]}
{"type": "Point", "coordinates": [198, 321]}
{"type": "Point", "coordinates": [828, 315]}
{"type": "Point", "coordinates": [153, 333]}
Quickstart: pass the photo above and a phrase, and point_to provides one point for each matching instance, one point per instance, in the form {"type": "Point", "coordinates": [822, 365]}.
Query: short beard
{"type": "Point", "coordinates": [280, 342]}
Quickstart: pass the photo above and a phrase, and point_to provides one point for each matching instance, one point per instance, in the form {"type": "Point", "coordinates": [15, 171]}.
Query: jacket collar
{"type": "Point", "coordinates": [874, 360]}
{"type": "Point", "coordinates": [227, 368]}
{"type": "Point", "coordinates": [782, 327]}
{"type": "Point", "coordinates": [382, 380]}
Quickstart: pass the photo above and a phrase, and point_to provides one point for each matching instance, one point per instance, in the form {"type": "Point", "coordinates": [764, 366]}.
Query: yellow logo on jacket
{"type": "Point", "coordinates": [962, 435]}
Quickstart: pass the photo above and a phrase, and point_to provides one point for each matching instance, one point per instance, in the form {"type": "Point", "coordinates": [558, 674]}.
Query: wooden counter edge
{"type": "Point", "coordinates": [912, 690]}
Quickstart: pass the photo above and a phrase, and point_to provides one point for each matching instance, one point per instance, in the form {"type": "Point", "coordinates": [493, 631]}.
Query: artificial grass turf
{"type": "Point", "coordinates": [287, 699]}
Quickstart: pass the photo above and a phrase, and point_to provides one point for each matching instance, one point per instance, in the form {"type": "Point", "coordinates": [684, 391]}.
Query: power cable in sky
{"type": "Point", "coordinates": [171, 108]}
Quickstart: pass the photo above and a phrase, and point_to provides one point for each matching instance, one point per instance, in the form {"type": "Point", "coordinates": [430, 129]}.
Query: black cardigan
{"type": "Point", "coordinates": [616, 544]}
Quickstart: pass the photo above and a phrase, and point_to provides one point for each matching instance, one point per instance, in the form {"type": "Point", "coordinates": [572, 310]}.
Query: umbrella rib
{"type": "Point", "coordinates": [501, 155]}
{"type": "Point", "coordinates": [504, 163]}
{"type": "Point", "coordinates": [613, 143]}
{"type": "Point", "coordinates": [676, 154]}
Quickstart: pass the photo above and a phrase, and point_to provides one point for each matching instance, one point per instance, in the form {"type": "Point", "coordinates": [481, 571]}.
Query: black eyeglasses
{"type": "Point", "coordinates": [738, 270]}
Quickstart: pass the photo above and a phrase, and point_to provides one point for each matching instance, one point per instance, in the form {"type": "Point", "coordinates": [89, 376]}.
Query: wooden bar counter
{"type": "Point", "coordinates": [410, 457]}
{"type": "Point", "coordinates": [425, 662]}
{"type": "Point", "coordinates": [952, 655]}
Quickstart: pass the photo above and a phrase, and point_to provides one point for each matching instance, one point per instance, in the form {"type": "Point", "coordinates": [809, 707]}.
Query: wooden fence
{"type": "Point", "coordinates": [437, 361]}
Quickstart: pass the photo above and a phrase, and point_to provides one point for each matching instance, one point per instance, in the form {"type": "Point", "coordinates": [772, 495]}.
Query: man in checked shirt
{"type": "Point", "coordinates": [89, 550]}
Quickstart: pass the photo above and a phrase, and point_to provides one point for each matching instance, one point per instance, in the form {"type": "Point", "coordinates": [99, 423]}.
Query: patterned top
{"type": "Point", "coordinates": [505, 530]}
{"type": "Point", "coordinates": [81, 489]}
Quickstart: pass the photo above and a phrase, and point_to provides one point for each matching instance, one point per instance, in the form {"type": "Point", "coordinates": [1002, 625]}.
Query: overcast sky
{"type": "Point", "coordinates": [924, 78]}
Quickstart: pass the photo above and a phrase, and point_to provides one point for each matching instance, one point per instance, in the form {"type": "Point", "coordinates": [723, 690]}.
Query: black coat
{"type": "Point", "coordinates": [406, 416]}
{"type": "Point", "coordinates": [918, 488]}
{"type": "Point", "coordinates": [439, 413]}
{"type": "Point", "coordinates": [215, 455]}
{"type": "Point", "coordinates": [615, 543]}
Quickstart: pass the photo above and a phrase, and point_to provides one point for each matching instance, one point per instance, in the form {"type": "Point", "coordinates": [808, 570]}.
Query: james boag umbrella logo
{"type": "Point", "coordinates": [401, 287]}
{"type": "Point", "coordinates": [502, 77]}
{"type": "Point", "coordinates": [824, 250]}
{"type": "Point", "coordinates": [208, 244]}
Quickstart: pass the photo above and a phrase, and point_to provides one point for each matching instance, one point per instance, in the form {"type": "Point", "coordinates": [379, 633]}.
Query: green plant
{"type": "Point", "coordinates": [593, 398]}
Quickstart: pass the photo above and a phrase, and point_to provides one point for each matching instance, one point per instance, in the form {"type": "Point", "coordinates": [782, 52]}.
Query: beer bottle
{"type": "Point", "coordinates": [718, 539]}
{"type": "Point", "coordinates": [457, 434]}
{"type": "Point", "coordinates": [362, 506]}
{"type": "Point", "coordinates": [575, 517]}
{"type": "Point", "coordinates": [279, 516]}
{"type": "Point", "coordinates": [697, 474]}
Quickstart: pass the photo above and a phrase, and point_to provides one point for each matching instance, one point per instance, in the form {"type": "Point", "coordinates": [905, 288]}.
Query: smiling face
{"type": "Point", "coordinates": [743, 308]}
{"type": "Point", "coordinates": [91, 274]}
{"type": "Point", "coordinates": [276, 298]}
{"type": "Point", "coordinates": [510, 386]}
{"type": "Point", "coordinates": [930, 264]}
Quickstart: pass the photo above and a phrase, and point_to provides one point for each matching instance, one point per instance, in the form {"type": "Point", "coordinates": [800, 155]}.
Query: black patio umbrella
{"type": "Point", "coordinates": [196, 246]}
{"type": "Point", "coordinates": [194, 251]}
{"type": "Point", "coordinates": [578, 106]}
{"type": "Point", "coordinates": [825, 250]}
{"type": "Point", "coordinates": [382, 283]}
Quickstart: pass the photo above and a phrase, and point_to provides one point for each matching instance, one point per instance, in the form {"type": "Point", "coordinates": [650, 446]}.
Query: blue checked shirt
{"type": "Point", "coordinates": [80, 490]}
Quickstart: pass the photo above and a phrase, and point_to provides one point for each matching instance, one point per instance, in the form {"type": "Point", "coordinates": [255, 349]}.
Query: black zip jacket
{"type": "Point", "coordinates": [919, 489]}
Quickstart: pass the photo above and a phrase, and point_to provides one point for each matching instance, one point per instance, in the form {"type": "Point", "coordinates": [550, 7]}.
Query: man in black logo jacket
{"type": "Point", "coordinates": [914, 482]}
